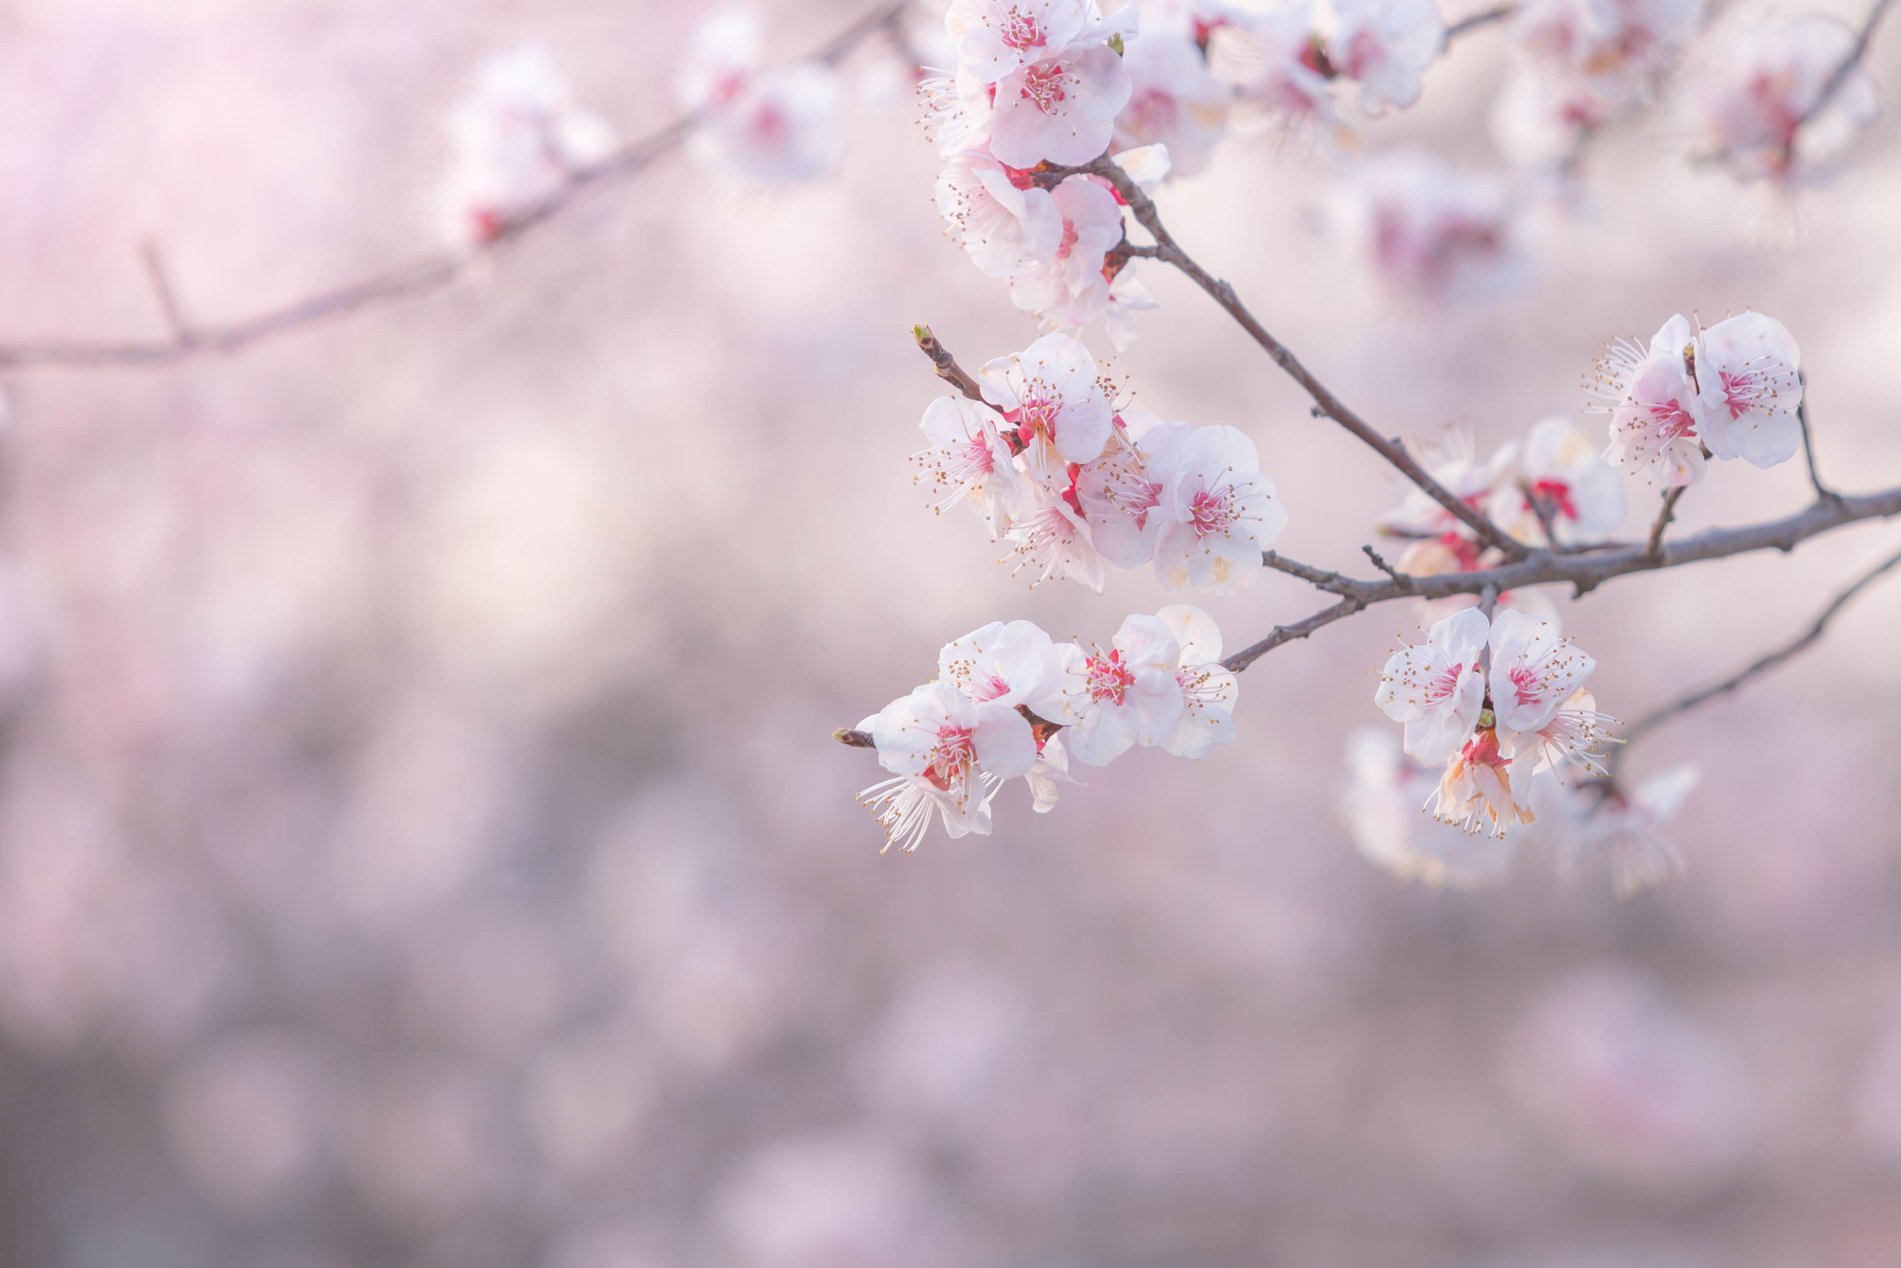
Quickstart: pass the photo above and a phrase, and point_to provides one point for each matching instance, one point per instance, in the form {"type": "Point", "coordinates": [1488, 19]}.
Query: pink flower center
{"type": "Point", "coordinates": [1109, 678]}
{"type": "Point", "coordinates": [1557, 494]}
{"type": "Point", "coordinates": [1209, 513]}
{"type": "Point", "coordinates": [1442, 687]}
{"type": "Point", "coordinates": [1020, 31]}
{"type": "Point", "coordinates": [1068, 243]}
{"type": "Point", "coordinates": [1527, 685]}
{"type": "Point", "coordinates": [978, 458]}
{"type": "Point", "coordinates": [1036, 416]}
{"type": "Point", "coordinates": [1672, 421]}
{"type": "Point", "coordinates": [1743, 391]}
{"type": "Point", "coordinates": [952, 756]}
{"type": "Point", "coordinates": [1043, 86]}
{"type": "Point", "coordinates": [991, 688]}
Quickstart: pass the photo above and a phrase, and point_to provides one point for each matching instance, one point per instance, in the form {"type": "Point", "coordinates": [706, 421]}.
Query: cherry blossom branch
{"type": "Point", "coordinates": [1846, 66]}
{"type": "Point", "coordinates": [1326, 402]}
{"type": "Point", "coordinates": [420, 276]}
{"type": "Point", "coordinates": [1762, 664]}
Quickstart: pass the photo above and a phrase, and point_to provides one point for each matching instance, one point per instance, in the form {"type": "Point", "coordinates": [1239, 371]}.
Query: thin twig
{"type": "Point", "coordinates": [1485, 17]}
{"type": "Point", "coordinates": [168, 305]}
{"type": "Point", "coordinates": [1822, 491]}
{"type": "Point", "coordinates": [1325, 400]}
{"type": "Point", "coordinates": [1846, 66]}
{"type": "Point", "coordinates": [420, 276]}
{"type": "Point", "coordinates": [1766, 662]}
{"type": "Point", "coordinates": [1401, 579]}
{"type": "Point", "coordinates": [945, 364]}
{"type": "Point", "coordinates": [1653, 547]}
{"type": "Point", "coordinates": [1332, 582]}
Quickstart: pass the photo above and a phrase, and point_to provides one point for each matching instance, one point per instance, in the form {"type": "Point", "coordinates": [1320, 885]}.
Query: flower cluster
{"type": "Point", "coordinates": [1286, 59]}
{"type": "Point", "coordinates": [1487, 699]}
{"type": "Point", "coordinates": [1070, 482]}
{"type": "Point", "coordinates": [763, 126]}
{"type": "Point", "coordinates": [1579, 64]}
{"type": "Point", "coordinates": [1579, 822]}
{"type": "Point", "coordinates": [1731, 391]}
{"type": "Point", "coordinates": [515, 139]}
{"type": "Point", "coordinates": [1756, 104]}
{"type": "Point", "coordinates": [1010, 703]}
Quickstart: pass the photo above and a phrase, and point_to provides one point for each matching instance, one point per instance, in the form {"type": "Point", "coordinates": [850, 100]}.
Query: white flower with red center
{"type": "Point", "coordinates": [1010, 664]}
{"type": "Point", "coordinates": [1475, 794]}
{"type": "Point", "coordinates": [1061, 110]}
{"type": "Point", "coordinates": [1111, 701]}
{"type": "Point", "coordinates": [1749, 370]}
{"type": "Point", "coordinates": [1051, 394]}
{"type": "Point", "coordinates": [1385, 793]}
{"type": "Point", "coordinates": [1385, 46]}
{"type": "Point", "coordinates": [1535, 669]}
{"type": "Point", "coordinates": [1753, 106]}
{"type": "Point", "coordinates": [969, 461]}
{"type": "Point", "coordinates": [1562, 480]}
{"type": "Point", "coordinates": [949, 755]}
{"type": "Point", "coordinates": [1271, 61]}
{"type": "Point", "coordinates": [1069, 284]}
{"type": "Point", "coordinates": [1222, 513]}
{"type": "Point", "coordinates": [1121, 492]}
{"type": "Point", "coordinates": [1652, 398]}
{"type": "Point", "coordinates": [1437, 688]}
{"type": "Point", "coordinates": [1004, 222]}
{"type": "Point", "coordinates": [1429, 232]}
{"type": "Point", "coordinates": [996, 37]}
{"type": "Point", "coordinates": [1052, 541]}
{"type": "Point", "coordinates": [516, 138]}
{"type": "Point", "coordinates": [1173, 101]}
{"type": "Point", "coordinates": [1451, 458]}
{"type": "Point", "coordinates": [1208, 689]}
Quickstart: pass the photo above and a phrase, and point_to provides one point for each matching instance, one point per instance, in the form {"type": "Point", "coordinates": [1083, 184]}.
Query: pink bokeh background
{"type": "Point", "coordinates": [420, 839]}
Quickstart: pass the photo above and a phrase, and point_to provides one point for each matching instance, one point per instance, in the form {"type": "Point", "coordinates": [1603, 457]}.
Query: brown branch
{"type": "Point", "coordinates": [945, 364]}
{"type": "Point", "coordinates": [1768, 661]}
{"type": "Point", "coordinates": [1846, 66]}
{"type": "Point", "coordinates": [1325, 401]}
{"type": "Point", "coordinates": [420, 276]}
{"type": "Point", "coordinates": [1483, 18]}
{"type": "Point", "coordinates": [1653, 546]}
{"type": "Point", "coordinates": [1822, 491]}
{"type": "Point", "coordinates": [1332, 582]}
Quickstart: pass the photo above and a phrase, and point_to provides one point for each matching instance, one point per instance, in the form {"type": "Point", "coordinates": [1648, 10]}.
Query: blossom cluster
{"type": "Point", "coordinates": [1580, 822]}
{"type": "Point", "coordinates": [1042, 85]}
{"type": "Point", "coordinates": [1070, 482]}
{"type": "Point", "coordinates": [1009, 702]}
{"type": "Point", "coordinates": [1731, 391]}
{"type": "Point", "coordinates": [765, 126]}
{"type": "Point", "coordinates": [1489, 699]}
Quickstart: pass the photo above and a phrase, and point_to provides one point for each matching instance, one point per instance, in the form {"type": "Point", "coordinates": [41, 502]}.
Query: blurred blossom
{"type": "Point", "coordinates": [1630, 1087]}
{"type": "Point", "coordinates": [850, 1200]}
{"type": "Point", "coordinates": [422, 1143]}
{"type": "Point", "coordinates": [1385, 811]}
{"type": "Point", "coordinates": [1428, 231]}
{"type": "Point", "coordinates": [585, 1097]}
{"type": "Point", "coordinates": [249, 1116]}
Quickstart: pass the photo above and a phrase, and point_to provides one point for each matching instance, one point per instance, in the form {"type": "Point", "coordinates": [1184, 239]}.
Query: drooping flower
{"type": "Point", "coordinates": [1051, 394]}
{"type": "Point", "coordinates": [1436, 688]}
{"type": "Point", "coordinates": [1003, 663]}
{"type": "Point", "coordinates": [1574, 736]}
{"type": "Point", "coordinates": [1385, 796]}
{"type": "Point", "coordinates": [1599, 819]}
{"type": "Point", "coordinates": [1208, 689]}
{"type": "Point", "coordinates": [1562, 479]}
{"type": "Point", "coordinates": [1222, 513]}
{"type": "Point", "coordinates": [969, 461]}
{"type": "Point", "coordinates": [948, 755]}
{"type": "Point", "coordinates": [1652, 398]}
{"type": "Point", "coordinates": [1111, 701]}
{"type": "Point", "coordinates": [1475, 794]}
{"type": "Point", "coordinates": [1050, 773]}
{"type": "Point", "coordinates": [1749, 372]}
{"type": "Point", "coordinates": [516, 138]}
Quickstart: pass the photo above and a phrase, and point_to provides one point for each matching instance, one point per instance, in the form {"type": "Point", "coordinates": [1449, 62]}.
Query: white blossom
{"type": "Point", "coordinates": [1111, 701]}
{"type": "Point", "coordinates": [1437, 688]}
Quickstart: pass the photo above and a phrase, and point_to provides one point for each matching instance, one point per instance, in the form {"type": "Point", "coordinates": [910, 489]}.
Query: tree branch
{"type": "Point", "coordinates": [1822, 491]}
{"type": "Point", "coordinates": [1653, 546]}
{"type": "Point", "coordinates": [1768, 661]}
{"type": "Point", "coordinates": [1846, 66]}
{"type": "Point", "coordinates": [945, 364]}
{"type": "Point", "coordinates": [1473, 22]}
{"type": "Point", "coordinates": [1324, 398]}
{"type": "Point", "coordinates": [420, 276]}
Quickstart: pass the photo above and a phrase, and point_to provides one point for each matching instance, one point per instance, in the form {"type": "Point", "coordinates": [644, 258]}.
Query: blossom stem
{"type": "Point", "coordinates": [420, 276]}
{"type": "Point", "coordinates": [1325, 401]}
{"type": "Point", "coordinates": [1653, 547]}
{"type": "Point", "coordinates": [1822, 491]}
{"type": "Point", "coordinates": [946, 364]}
{"type": "Point", "coordinates": [1762, 664]}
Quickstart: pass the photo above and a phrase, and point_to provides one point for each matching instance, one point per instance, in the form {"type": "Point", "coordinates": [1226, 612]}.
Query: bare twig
{"type": "Point", "coordinates": [1822, 491]}
{"type": "Point", "coordinates": [1766, 662]}
{"type": "Point", "coordinates": [1653, 547]}
{"type": "Point", "coordinates": [1332, 582]}
{"type": "Point", "coordinates": [419, 277]}
{"type": "Point", "coordinates": [1485, 17]}
{"type": "Point", "coordinates": [945, 364]}
{"type": "Point", "coordinates": [161, 280]}
{"type": "Point", "coordinates": [1401, 579]}
{"type": "Point", "coordinates": [1325, 400]}
{"type": "Point", "coordinates": [1846, 66]}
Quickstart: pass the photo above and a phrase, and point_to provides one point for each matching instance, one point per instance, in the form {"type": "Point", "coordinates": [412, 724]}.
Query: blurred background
{"type": "Point", "coordinates": [421, 841]}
